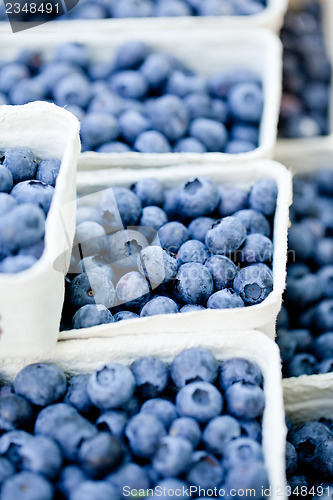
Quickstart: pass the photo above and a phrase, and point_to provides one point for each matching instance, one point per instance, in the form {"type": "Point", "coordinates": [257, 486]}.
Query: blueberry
{"type": "Point", "coordinates": [172, 235]}
{"type": "Point", "coordinates": [53, 72]}
{"type": "Point", "coordinates": [119, 207]}
{"type": "Point", "coordinates": [72, 89]}
{"type": "Point", "coordinates": [239, 370]}
{"type": "Point", "coordinates": [106, 102]}
{"type": "Point", "coordinates": [172, 8]}
{"type": "Point", "coordinates": [324, 181]}
{"type": "Point", "coordinates": [199, 227]}
{"type": "Point", "coordinates": [323, 346]}
{"type": "Point", "coordinates": [70, 478]}
{"type": "Point", "coordinates": [152, 141]}
{"type": "Point", "coordinates": [91, 315]}
{"type": "Point", "coordinates": [223, 271]}
{"type": "Point", "coordinates": [323, 316]}
{"type": "Point", "coordinates": [211, 133]}
{"type": "Point", "coordinates": [199, 400]}
{"type": "Point", "coordinates": [170, 484]}
{"type": "Point", "coordinates": [7, 202]}
{"type": "Point", "coordinates": [193, 365]}
{"type": "Point", "coordinates": [15, 413]}
{"type": "Point", "coordinates": [98, 128]}
{"type": "Point", "coordinates": [301, 241]}
{"type": "Point", "coordinates": [91, 214]}
{"type": "Point", "coordinates": [151, 376]}
{"type": "Point", "coordinates": [219, 431]}
{"type": "Point", "coordinates": [191, 308]}
{"type": "Point", "coordinates": [17, 264]}
{"type": "Point", "coordinates": [144, 433]}
{"type": "Point", "coordinates": [129, 84]}
{"type": "Point", "coordinates": [219, 84]}
{"type": "Point", "coordinates": [77, 394]}
{"type": "Point", "coordinates": [6, 179]}
{"type": "Point", "coordinates": [41, 383]}
{"type": "Point", "coordinates": [48, 170]}
{"type": "Point", "coordinates": [159, 305]}
{"type": "Point", "coordinates": [215, 8]}
{"type": "Point", "coordinates": [130, 55]}
{"type": "Point", "coordinates": [189, 145]}
{"type": "Point", "coordinates": [263, 196]}
{"type": "Point", "coordinates": [225, 299]}
{"type": "Point", "coordinates": [169, 116]}
{"type": "Point", "coordinates": [153, 217]}
{"type": "Point", "coordinates": [236, 147]}
{"type": "Point", "coordinates": [6, 469]}
{"type": "Point", "coordinates": [245, 400]}
{"type": "Point", "coordinates": [303, 338]}
{"type": "Point", "coordinates": [323, 458]}
{"type": "Point", "coordinates": [246, 102]}
{"type": "Point", "coordinates": [198, 105]}
{"type": "Point", "coordinates": [98, 264]}
{"type": "Point", "coordinates": [291, 459]}
{"type": "Point", "coordinates": [150, 191]}
{"type": "Point", "coordinates": [121, 315]}
{"type": "Point", "coordinates": [35, 192]}
{"type": "Point", "coordinates": [90, 238]}
{"type": "Point", "coordinates": [129, 475]}
{"type": "Point", "coordinates": [306, 439]}
{"type": "Point", "coordinates": [40, 455]}
{"type": "Point", "coordinates": [132, 124]}
{"type": "Point", "coordinates": [187, 428]}
{"type": "Point", "coordinates": [98, 490]}
{"type": "Point", "coordinates": [197, 197]}
{"type": "Point", "coordinates": [241, 450]}
{"type": "Point", "coordinates": [232, 200]}
{"type": "Point", "coordinates": [251, 428]}
{"type": "Point", "coordinates": [302, 364]}
{"type": "Point", "coordinates": [303, 291]}
{"type": "Point", "coordinates": [245, 132]}
{"type": "Point", "coordinates": [182, 83]}
{"type": "Point", "coordinates": [173, 456]}
{"type": "Point", "coordinates": [253, 284]}
{"type": "Point", "coordinates": [132, 289]}
{"type": "Point", "coordinates": [194, 283]}
{"type": "Point", "coordinates": [257, 248]}
{"type": "Point", "coordinates": [124, 248]}
{"type": "Point", "coordinates": [113, 147]}
{"type": "Point", "coordinates": [323, 253]}
{"type": "Point", "coordinates": [51, 416]}
{"type": "Point", "coordinates": [156, 69]}
{"type": "Point", "coordinates": [73, 53]}
{"type": "Point", "coordinates": [92, 288]}
{"type": "Point", "coordinates": [192, 251]}
{"type": "Point", "coordinates": [206, 471]}
{"type": "Point", "coordinates": [111, 386]}
{"type": "Point", "coordinates": [10, 74]}
{"type": "Point", "coordinates": [226, 236]}
{"type": "Point", "coordinates": [287, 345]}
{"type": "Point", "coordinates": [100, 454]}
{"type": "Point", "coordinates": [28, 90]}
{"type": "Point", "coordinates": [21, 162]}
{"type": "Point", "coordinates": [27, 486]}
{"type": "Point", "coordinates": [251, 476]}
{"type": "Point", "coordinates": [113, 422]}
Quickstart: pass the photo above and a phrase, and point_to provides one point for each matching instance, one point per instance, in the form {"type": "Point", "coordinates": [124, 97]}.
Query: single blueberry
{"type": "Point", "coordinates": [35, 192]}
{"type": "Point", "coordinates": [223, 271]}
{"type": "Point", "coordinates": [197, 197]}
{"type": "Point", "coordinates": [187, 428]}
{"type": "Point", "coordinates": [132, 124]}
{"type": "Point", "coordinates": [113, 422]}
{"type": "Point", "coordinates": [173, 456]}
{"type": "Point", "coordinates": [27, 485]}
{"type": "Point", "coordinates": [199, 227]}
{"type": "Point", "coordinates": [226, 236]}
{"type": "Point", "coordinates": [218, 432]}
{"type": "Point", "coordinates": [263, 196]}
{"type": "Point", "coordinates": [172, 235]}
{"type": "Point", "coordinates": [151, 376]}
{"type": "Point", "coordinates": [111, 386]}
{"type": "Point", "coordinates": [131, 54]}
{"type": "Point", "coordinates": [121, 315]}
{"type": "Point", "coordinates": [77, 394]}
{"type": "Point", "coordinates": [129, 475]}
{"type": "Point", "coordinates": [91, 315]}
{"type": "Point", "coordinates": [193, 365]}
{"type": "Point", "coordinates": [245, 400]}
{"type": "Point", "coordinates": [98, 490]}
{"type": "Point", "coordinates": [159, 305]}
{"type": "Point", "coordinates": [254, 284]}
{"type": "Point", "coordinates": [119, 207]}
{"type": "Point", "coordinates": [48, 170]}
{"type": "Point", "coordinates": [291, 459]}
{"type": "Point", "coordinates": [15, 413]}
{"type": "Point", "coordinates": [101, 454]}
{"type": "Point", "coordinates": [73, 89]}
{"type": "Point", "coordinates": [6, 179]}
{"type": "Point", "coordinates": [144, 433]}
{"type": "Point", "coordinates": [206, 471]}
{"type": "Point", "coordinates": [302, 364]}
{"type": "Point", "coordinates": [21, 162]}
{"type": "Point", "coordinates": [90, 238]}
{"type": "Point", "coordinates": [156, 69]}
{"type": "Point", "coordinates": [191, 308]}
{"type": "Point", "coordinates": [181, 83]}
{"type": "Point", "coordinates": [192, 251]}
{"type": "Point", "coordinates": [254, 221]}
{"type": "Point", "coordinates": [7, 202]}
{"type": "Point", "coordinates": [189, 145]}
{"type": "Point", "coordinates": [41, 383]}
{"type": "Point", "coordinates": [199, 400]}
{"type": "Point", "coordinates": [98, 128]}
{"type": "Point", "coordinates": [256, 248]}
{"type": "Point", "coordinates": [153, 217]}
{"type": "Point", "coordinates": [152, 141]}
{"type": "Point", "coordinates": [124, 248]}
{"type": "Point", "coordinates": [246, 102]}
{"type": "Point", "coordinates": [150, 191]}
{"type": "Point", "coordinates": [169, 116]}
{"type": "Point", "coordinates": [193, 283]}
{"type": "Point", "coordinates": [232, 199]}
{"type": "Point", "coordinates": [241, 450]}
{"type": "Point", "coordinates": [92, 288]}
{"type": "Point", "coordinates": [211, 133]}
{"type": "Point", "coordinates": [239, 370]}
{"type": "Point", "coordinates": [225, 299]}
{"type": "Point", "coordinates": [132, 289]}
{"type": "Point", "coordinates": [129, 84]}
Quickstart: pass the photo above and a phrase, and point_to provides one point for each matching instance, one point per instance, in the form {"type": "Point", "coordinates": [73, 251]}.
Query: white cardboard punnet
{"type": "Point", "coordinates": [262, 316]}
{"type": "Point", "coordinates": [295, 147]}
{"type": "Point", "coordinates": [271, 17]}
{"type": "Point", "coordinates": [204, 50]}
{"type": "Point", "coordinates": [31, 301]}
{"type": "Point", "coordinates": [84, 356]}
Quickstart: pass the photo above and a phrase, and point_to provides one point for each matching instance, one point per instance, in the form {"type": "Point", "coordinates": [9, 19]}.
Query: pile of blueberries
{"type": "Point", "coordinates": [133, 432]}
{"type": "Point", "coordinates": [305, 325]}
{"type": "Point", "coordinates": [140, 100]}
{"type": "Point", "coordinates": [147, 251]}
{"type": "Point", "coordinates": [309, 463]}
{"type": "Point", "coordinates": [102, 9]}
{"type": "Point", "coordinates": [306, 74]}
{"type": "Point", "coordinates": [26, 191]}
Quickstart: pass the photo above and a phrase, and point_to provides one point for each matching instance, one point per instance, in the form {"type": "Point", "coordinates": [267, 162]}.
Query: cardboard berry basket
{"type": "Point", "coordinates": [31, 301]}
{"type": "Point", "coordinates": [84, 356]}
{"type": "Point", "coordinates": [271, 18]}
{"type": "Point", "coordinates": [203, 50]}
{"type": "Point", "coordinates": [261, 316]}
{"type": "Point", "coordinates": [295, 147]}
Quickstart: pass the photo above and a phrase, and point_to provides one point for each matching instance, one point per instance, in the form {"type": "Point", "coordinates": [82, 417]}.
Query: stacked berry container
{"type": "Point", "coordinates": [31, 301]}
{"type": "Point", "coordinates": [253, 346]}
{"type": "Point", "coordinates": [293, 148]}
{"type": "Point", "coordinates": [183, 15]}
{"type": "Point", "coordinates": [261, 316]}
{"type": "Point", "coordinates": [203, 51]}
